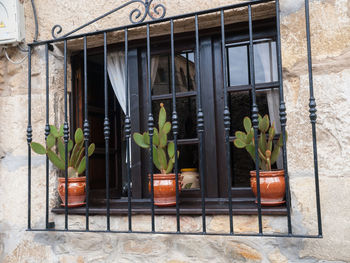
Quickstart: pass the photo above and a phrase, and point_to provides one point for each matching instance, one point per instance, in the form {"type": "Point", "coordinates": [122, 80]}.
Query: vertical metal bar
{"type": "Point", "coordinates": [29, 134]}
{"type": "Point", "coordinates": [255, 112]}
{"type": "Point", "coordinates": [106, 129]}
{"type": "Point", "coordinates": [47, 132]}
{"type": "Point", "coordinates": [150, 121]}
{"type": "Point", "coordinates": [200, 126]}
{"type": "Point", "coordinates": [86, 134]}
{"type": "Point", "coordinates": [127, 129]}
{"type": "Point", "coordinates": [283, 116]}
{"type": "Point", "coordinates": [227, 120]}
{"type": "Point", "coordinates": [66, 138]}
{"type": "Point", "coordinates": [175, 124]}
{"type": "Point", "coordinates": [313, 116]}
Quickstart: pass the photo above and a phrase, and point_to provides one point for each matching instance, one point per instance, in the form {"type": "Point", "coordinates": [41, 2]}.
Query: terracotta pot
{"type": "Point", "coordinates": [76, 191]}
{"type": "Point", "coordinates": [164, 186]}
{"type": "Point", "coordinates": [272, 187]}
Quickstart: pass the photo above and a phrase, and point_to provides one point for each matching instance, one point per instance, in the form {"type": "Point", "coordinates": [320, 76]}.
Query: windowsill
{"type": "Point", "coordinates": [188, 206]}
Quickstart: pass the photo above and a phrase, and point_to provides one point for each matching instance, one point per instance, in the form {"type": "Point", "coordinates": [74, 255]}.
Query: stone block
{"type": "Point", "coordinates": [277, 257]}
{"type": "Point", "coordinates": [72, 259]}
{"type": "Point", "coordinates": [241, 252]}
{"type": "Point", "coordinates": [2, 79]}
{"type": "Point", "coordinates": [29, 252]}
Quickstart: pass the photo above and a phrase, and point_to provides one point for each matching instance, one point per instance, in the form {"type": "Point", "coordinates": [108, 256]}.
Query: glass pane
{"type": "Point", "coordinates": [94, 79]}
{"type": "Point", "coordinates": [186, 112]}
{"type": "Point", "coordinates": [188, 157]}
{"type": "Point", "coordinates": [188, 165]}
{"type": "Point", "coordinates": [241, 164]}
{"type": "Point", "coordinates": [265, 63]}
{"type": "Point", "coordinates": [161, 80]}
{"type": "Point", "coordinates": [238, 65]}
{"type": "Point", "coordinates": [184, 73]}
{"type": "Point", "coordinates": [240, 106]}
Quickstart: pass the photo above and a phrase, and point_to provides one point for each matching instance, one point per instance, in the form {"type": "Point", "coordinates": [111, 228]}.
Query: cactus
{"type": "Point", "coordinates": [76, 156]}
{"type": "Point", "coordinates": [267, 151]}
{"type": "Point", "coordinates": [161, 146]}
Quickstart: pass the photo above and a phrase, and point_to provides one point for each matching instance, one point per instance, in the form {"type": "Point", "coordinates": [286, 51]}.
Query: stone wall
{"type": "Point", "coordinates": [331, 57]}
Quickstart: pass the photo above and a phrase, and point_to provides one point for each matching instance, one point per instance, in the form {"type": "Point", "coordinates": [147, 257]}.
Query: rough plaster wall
{"type": "Point", "coordinates": [331, 57]}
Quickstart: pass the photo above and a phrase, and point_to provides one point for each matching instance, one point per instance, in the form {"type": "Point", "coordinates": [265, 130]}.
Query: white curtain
{"type": "Point", "coordinates": [116, 73]}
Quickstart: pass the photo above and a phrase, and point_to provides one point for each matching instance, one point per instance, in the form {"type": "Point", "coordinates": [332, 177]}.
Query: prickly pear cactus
{"type": "Point", "coordinates": [163, 150]}
{"type": "Point", "coordinates": [76, 152]}
{"type": "Point", "coordinates": [268, 151]}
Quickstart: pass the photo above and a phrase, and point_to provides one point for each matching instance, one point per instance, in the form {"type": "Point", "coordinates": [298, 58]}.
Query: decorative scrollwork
{"type": "Point", "coordinates": [200, 121]}
{"type": "Point", "coordinates": [137, 15]}
{"type": "Point", "coordinates": [154, 12]}
{"type": "Point", "coordinates": [56, 30]}
{"type": "Point", "coordinates": [227, 119]}
{"type": "Point", "coordinates": [175, 123]}
{"type": "Point", "coordinates": [29, 133]}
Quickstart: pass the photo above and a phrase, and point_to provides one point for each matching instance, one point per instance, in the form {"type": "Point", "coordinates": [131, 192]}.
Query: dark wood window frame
{"type": "Point", "coordinates": [211, 74]}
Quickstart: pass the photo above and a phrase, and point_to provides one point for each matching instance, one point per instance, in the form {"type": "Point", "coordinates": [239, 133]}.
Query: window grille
{"type": "Point", "coordinates": [153, 15]}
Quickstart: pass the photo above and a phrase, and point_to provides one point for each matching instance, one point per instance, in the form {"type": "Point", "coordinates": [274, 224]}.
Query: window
{"type": "Point", "coordinates": [186, 99]}
{"type": "Point", "coordinates": [211, 143]}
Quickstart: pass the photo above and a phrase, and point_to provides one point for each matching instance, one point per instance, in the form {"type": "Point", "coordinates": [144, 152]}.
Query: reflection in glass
{"type": "Point", "coordinates": [186, 112]}
{"type": "Point", "coordinates": [241, 164]}
{"type": "Point", "coordinates": [238, 65]}
{"type": "Point", "coordinates": [240, 106]}
{"type": "Point", "coordinates": [184, 73]}
{"type": "Point", "coordinates": [161, 75]}
{"type": "Point", "coordinates": [188, 156]}
{"type": "Point", "coordinates": [265, 63]}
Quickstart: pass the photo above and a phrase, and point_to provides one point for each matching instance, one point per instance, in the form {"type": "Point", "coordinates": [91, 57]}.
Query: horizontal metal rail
{"type": "Point", "coordinates": [182, 233]}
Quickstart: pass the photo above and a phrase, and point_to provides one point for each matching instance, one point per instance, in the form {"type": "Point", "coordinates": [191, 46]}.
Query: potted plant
{"type": "Point", "coordinates": [164, 184]}
{"type": "Point", "coordinates": [272, 183]}
{"type": "Point", "coordinates": [76, 163]}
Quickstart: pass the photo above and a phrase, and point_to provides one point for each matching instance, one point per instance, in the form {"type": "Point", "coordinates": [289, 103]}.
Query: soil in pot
{"type": "Point", "coordinates": [76, 191]}
{"type": "Point", "coordinates": [272, 187]}
{"type": "Point", "coordinates": [164, 186]}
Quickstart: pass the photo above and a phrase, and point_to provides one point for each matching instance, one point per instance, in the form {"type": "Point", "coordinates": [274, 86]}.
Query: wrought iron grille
{"type": "Point", "coordinates": [156, 14]}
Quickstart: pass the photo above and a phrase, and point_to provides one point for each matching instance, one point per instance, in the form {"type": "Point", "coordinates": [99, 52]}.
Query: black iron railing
{"type": "Point", "coordinates": [137, 19]}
